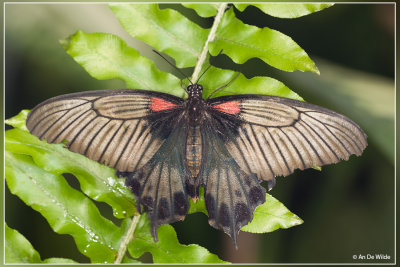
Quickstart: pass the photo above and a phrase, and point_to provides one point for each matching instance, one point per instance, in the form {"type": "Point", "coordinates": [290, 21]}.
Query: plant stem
{"type": "Point", "coordinates": [211, 36]}
{"type": "Point", "coordinates": [128, 237]}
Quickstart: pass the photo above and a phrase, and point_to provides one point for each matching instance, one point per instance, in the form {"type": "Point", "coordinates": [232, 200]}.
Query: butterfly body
{"type": "Point", "coordinates": [195, 108]}
{"type": "Point", "coordinates": [167, 147]}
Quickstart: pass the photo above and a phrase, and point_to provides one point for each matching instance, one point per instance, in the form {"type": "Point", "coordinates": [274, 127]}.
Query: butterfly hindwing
{"type": "Point", "coordinates": [231, 195]}
{"type": "Point", "coordinates": [122, 129]}
{"type": "Point", "coordinates": [160, 185]}
{"type": "Point", "coordinates": [272, 136]}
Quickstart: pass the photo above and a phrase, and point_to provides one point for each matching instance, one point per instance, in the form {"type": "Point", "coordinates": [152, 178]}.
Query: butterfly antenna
{"type": "Point", "coordinates": [216, 90]}
{"type": "Point", "coordinates": [202, 74]}
{"type": "Point", "coordinates": [208, 67]}
{"type": "Point", "coordinates": [172, 65]}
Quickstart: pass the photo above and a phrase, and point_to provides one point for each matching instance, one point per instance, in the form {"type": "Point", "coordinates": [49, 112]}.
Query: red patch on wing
{"type": "Point", "coordinates": [159, 104]}
{"type": "Point", "coordinates": [231, 107]}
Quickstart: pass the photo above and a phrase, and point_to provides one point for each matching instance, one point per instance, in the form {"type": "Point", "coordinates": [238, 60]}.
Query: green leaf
{"type": "Point", "coordinates": [242, 42]}
{"type": "Point", "coordinates": [18, 121]}
{"type": "Point", "coordinates": [271, 216]}
{"type": "Point", "coordinates": [67, 210]}
{"type": "Point", "coordinates": [166, 30]}
{"type": "Point", "coordinates": [97, 181]}
{"type": "Point", "coordinates": [215, 78]}
{"type": "Point", "coordinates": [286, 10]}
{"type": "Point", "coordinates": [203, 10]}
{"type": "Point", "coordinates": [17, 248]}
{"type": "Point", "coordinates": [167, 249]}
{"type": "Point", "coordinates": [106, 56]}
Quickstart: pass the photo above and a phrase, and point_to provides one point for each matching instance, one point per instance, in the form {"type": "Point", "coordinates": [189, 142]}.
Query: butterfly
{"type": "Point", "coordinates": [168, 147]}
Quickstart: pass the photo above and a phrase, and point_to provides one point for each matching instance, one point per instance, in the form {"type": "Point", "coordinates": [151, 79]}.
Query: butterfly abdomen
{"type": "Point", "coordinates": [194, 150]}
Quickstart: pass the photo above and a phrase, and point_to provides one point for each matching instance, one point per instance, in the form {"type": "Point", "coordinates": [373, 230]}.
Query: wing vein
{"type": "Point", "coordinates": [309, 143]}
{"type": "Point", "coordinates": [109, 142]}
{"type": "Point", "coordinates": [127, 142]}
{"type": "Point", "coordinates": [262, 151]}
{"type": "Point", "coordinates": [45, 117]}
{"type": "Point", "coordinates": [94, 137]}
{"type": "Point", "coordinates": [52, 124]}
{"type": "Point", "coordinates": [79, 132]}
{"type": "Point", "coordinates": [349, 138]}
{"type": "Point", "coordinates": [69, 124]}
{"type": "Point", "coordinates": [279, 150]}
{"type": "Point", "coordinates": [121, 150]}
{"type": "Point", "coordinates": [295, 148]}
{"type": "Point", "coordinates": [48, 115]}
{"type": "Point", "coordinates": [342, 131]}
{"type": "Point", "coordinates": [317, 133]}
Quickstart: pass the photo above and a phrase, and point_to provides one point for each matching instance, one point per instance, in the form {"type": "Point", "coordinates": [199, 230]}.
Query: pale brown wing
{"type": "Point", "coordinates": [272, 136]}
{"type": "Point", "coordinates": [122, 129]}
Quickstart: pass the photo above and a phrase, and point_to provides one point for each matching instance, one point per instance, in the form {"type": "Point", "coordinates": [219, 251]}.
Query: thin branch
{"type": "Point", "coordinates": [127, 238]}
{"type": "Point", "coordinates": [211, 36]}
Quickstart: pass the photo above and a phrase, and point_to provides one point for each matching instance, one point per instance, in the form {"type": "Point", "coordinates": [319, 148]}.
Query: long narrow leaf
{"type": "Point", "coordinates": [96, 180]}
{"type": "Point", "coordinates": [242, 42]}
{"type": "Point", "coordinates": [286, 10]}
{"type": "Point", "coordinates": [67, 210]}
{"type": "Point", "coordinates": [106, 56]}
{"type": "Point", "coordinates": [166, 30]}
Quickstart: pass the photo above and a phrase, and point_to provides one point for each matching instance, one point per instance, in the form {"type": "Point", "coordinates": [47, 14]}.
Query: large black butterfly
{"type": "Point", "coordinates": [167, 147]}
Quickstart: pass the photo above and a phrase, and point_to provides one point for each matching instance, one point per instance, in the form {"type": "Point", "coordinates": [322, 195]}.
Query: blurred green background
{"type": "Point", "coordinates": [347, 208]}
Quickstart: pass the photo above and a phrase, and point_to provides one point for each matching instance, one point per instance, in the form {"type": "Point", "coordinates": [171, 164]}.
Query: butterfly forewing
{"type": "Point", "coordinates": [121, 128]}
{"type": "Point", "coordinates": [140, 133]}
{"type": "Point", "coordinates": [272, 136]}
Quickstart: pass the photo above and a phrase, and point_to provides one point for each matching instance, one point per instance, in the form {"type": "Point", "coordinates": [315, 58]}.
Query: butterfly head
{"type": "Point", "coordinates": [195, 90]}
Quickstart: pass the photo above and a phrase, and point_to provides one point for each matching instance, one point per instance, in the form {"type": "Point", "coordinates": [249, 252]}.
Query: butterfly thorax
{"type": "Point", "coordinates": [195, 106]}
